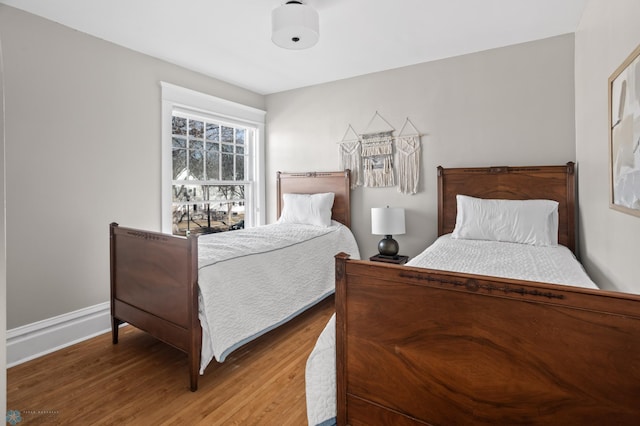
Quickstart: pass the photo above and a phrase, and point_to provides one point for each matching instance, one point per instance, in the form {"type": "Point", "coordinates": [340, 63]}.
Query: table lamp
{"type": "Point", "coordinates": [387, 221]}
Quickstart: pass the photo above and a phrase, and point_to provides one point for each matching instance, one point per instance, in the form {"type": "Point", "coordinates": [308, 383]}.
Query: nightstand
{"type": "Point", "coordinates": [398, 260]}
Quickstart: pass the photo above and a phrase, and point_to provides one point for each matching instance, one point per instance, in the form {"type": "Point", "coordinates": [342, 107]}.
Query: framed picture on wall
{"type": "Point", "coordinates": [624, 135]}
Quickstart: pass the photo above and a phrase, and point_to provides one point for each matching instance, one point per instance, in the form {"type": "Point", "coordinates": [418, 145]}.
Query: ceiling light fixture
{"type": "Point", "coordinates": [294, 26]}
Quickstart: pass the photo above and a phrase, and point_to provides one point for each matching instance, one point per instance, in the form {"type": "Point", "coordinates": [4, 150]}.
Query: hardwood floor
{"type": "Point", "coordinates": [143, 381]}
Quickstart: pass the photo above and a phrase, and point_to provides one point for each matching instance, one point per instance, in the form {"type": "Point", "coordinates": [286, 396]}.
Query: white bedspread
{"type": "Point", "coordinates": [509, 260]}
{"type": "Point", "coordinates": [320, 377]}
{"type": "Point", "coordinates": [555, 265]}
{"type": "Point", "coordinates": [255, 279]}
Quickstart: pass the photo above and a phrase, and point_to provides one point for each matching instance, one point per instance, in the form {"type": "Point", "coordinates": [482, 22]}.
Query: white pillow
{"type": "Point", "coordinates": [518, 221]}
{"type": "Point", "coordinates": [309, 209]}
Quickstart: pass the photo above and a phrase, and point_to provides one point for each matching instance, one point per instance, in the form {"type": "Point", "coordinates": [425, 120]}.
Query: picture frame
{"type": "Point", "coordinates": [624, 135]}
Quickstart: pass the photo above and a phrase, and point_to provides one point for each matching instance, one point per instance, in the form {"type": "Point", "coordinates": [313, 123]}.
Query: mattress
{"type": "Point", "coordinates": [250, 281]}
{"type": "Point", "coordinates": [555, 265]}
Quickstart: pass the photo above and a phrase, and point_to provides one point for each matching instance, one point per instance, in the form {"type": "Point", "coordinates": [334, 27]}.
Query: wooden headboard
{"type": "Point", "coordinates": [511, 183]}
{"type": "Point", "coordinates": [318, 182]}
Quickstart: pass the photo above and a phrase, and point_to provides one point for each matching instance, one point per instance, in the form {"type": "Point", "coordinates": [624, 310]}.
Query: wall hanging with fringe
{"type": "Point", "coordinates": [408, 152]}
{"type": "Point", "coordinates": [377, 158]}
{"type": "Point", "coordinates": [377, 153]}
{"type": "Point", "coordinates": [350, 156]}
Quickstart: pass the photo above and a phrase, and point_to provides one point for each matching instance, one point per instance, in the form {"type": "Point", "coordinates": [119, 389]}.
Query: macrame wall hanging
{"type": "Point", "coordinates": [408, 150]}
{"type": "Point", "coordinates": [377, 159]}
{"type": "Point", "coordinates": [370, 156]}
{"type": "Point", "coordinates": [377, 153]}
{"type": "Point", "coordinates": [350, 156]}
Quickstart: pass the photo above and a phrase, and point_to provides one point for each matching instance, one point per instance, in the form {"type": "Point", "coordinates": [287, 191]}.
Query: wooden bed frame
{"type": "Point", "coordinates": [154, 276]}
{"type": "Point", "coordinates": [418, 346]}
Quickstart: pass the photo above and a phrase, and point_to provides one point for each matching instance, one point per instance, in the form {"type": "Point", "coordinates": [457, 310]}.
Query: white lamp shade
{"type": "Point", "coordinates": [387, 221]}
{"type": "Point", "coordinates": [294, 26]}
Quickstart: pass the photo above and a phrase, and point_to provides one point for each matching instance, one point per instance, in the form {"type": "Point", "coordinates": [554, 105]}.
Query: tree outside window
{"type": "Point", "coordinates": [209, 162]}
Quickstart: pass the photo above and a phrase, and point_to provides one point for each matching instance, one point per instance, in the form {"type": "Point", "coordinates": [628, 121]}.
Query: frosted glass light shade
{"type": "Point", "coordinates": [387, 221]}
{"type": "Point", "coordinates": [294, 26]}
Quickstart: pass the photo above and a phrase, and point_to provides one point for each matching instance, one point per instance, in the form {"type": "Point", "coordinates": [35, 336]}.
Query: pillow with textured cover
{"type": "Point", "coordinates": [532, 222]}
{"type": "Point", "coordinates": [309, 209]}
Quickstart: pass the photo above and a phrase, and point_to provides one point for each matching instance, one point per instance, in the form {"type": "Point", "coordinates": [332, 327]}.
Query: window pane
{"type": "Point", "coordinates": [179, 142]}
{"type": "Point", "coordinates": [226, 192]}
{"type": "Point", "coordinates": [194, 218]}
{"type": "Point", "coordinates": [197, 193]}
{"type": "Point", "coordinates": [239, 167]}
{"type": "Point", "coordinates": [227, 167]}
{"type": "Point", "coordinates": [187, 193]}
{"type": "Point", "coordinates": [227, 148]}
{"type": "Point", "coordinates": [179, 193]}
{"type": "Point", "coordinates": [196, 129]}
{"type": "Point", "coordinates": [224, 212]}
{"type": "Point", "coordinates": [196, 164]}
{"type": "Point", "coordinates": [239, 149]}
{"type": "Point", "coordinates": [179, 126]}
{"type": "Point", "coordinates": [217, 218]}
{"type": "Point", "coordinates": [240, 136]}
{"type": "Point", "coordinates": [213, 132]}
{"type": "Point", "coordinates": [241, 193]}
{"type": "Point", "coordinates": [213, 162]}
{"type": "Point", "coordinates": [214, 192]}
{"type": "Point", "coordinates": [227, 134]}
{"type": "Point", "coordinates": [194, 193]}
{"type": "Point", "coordinates": [196, 160]}
{"type": "Point", "coordinates": [179, 164]}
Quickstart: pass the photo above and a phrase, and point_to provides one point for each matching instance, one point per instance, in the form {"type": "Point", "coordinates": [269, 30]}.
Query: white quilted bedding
{"type": "Point", "coordinates": [510, 260]}
{"type": "Point", "coordinates": [320, 377]}
{"type": "Point", "coordinates": [555, 265]}
{"type": "Point", "coordinates": [255, 279]}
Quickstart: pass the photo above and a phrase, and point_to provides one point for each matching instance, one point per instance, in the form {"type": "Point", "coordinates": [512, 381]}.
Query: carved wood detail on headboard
{"type": "Point", "coordinates": [512, 183]}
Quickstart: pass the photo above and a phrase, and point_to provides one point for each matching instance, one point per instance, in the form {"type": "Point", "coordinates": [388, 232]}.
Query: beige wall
{"type": "Point", "coordinates": [607, 34]}
{"type": "Point", "coordinates": [82, 150]}
{"type": "Point", "coordinates": [508, 106]}
{"type": "Point", "coordinates": [83, 142]}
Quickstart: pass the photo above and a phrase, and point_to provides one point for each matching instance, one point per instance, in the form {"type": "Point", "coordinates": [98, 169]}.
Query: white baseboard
{"type": "Point", "coordinates": [40, 338]}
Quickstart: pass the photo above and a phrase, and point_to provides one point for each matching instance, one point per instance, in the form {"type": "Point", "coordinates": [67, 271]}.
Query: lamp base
{"type": "Point", "coordinates": [388, 246]}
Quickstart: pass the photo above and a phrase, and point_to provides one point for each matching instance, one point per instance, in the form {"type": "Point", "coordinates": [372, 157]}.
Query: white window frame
{"type": "Point", "coordinates": [176, 98]}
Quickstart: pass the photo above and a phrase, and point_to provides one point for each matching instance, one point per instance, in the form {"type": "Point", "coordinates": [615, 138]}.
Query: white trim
{"type": "Point", "coordinates": [166, 164]}
{"type": "Point", "coordinates": [40, 338]}
{"type": "Point", "coordinates": [213, 105]}
{"type": "Point", "coordinates": [176, 97]}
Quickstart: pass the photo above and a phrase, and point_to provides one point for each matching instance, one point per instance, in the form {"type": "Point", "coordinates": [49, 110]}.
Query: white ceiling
{"type": "Point", "coordinates": [231, 39]}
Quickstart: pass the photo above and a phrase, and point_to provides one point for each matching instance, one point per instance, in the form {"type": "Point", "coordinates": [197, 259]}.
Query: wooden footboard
{"type": "Point", "coordinates": [418, 346]}
{"type": "Point", "coordinates": [154, 287]}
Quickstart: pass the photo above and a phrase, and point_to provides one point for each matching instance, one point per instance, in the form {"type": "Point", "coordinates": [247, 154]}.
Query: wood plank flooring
{"type": "Point", "coordinates": [143, 381]}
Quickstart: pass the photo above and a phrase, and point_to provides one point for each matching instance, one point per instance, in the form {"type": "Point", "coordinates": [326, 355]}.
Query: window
{"type": "Point", "coordinates": [211, 164]}
{"type": "Point", "coordinates": [209, 160]}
